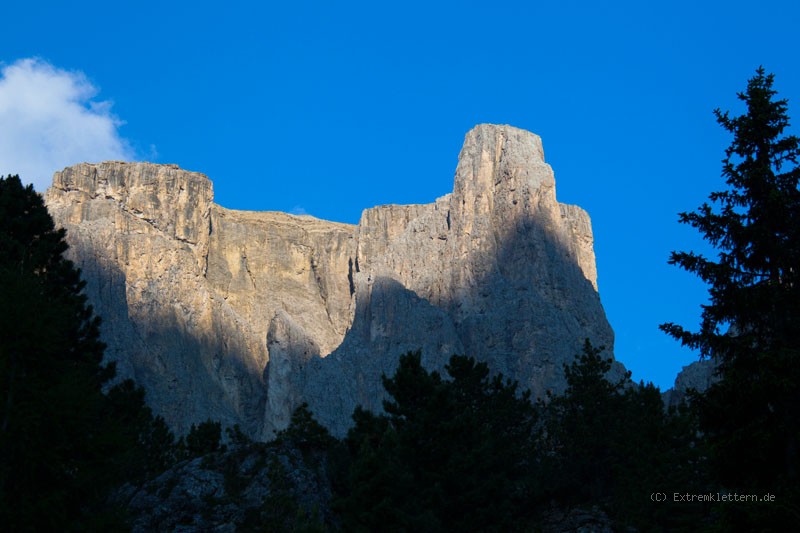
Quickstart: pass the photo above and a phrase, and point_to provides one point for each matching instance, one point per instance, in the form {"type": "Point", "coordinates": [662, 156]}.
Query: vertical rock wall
{"type": "Point", "coordinates": [498, 270]}
{"type": "Point", "coordinates": [240, 316]}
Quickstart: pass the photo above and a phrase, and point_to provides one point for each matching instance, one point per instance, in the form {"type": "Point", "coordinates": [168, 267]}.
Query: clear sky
{"type": "Point", "coordinates": [328, 108]}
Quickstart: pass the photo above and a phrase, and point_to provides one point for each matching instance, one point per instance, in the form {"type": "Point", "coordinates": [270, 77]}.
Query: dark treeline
{"type": "Point", "coordinates": [470, 452]}
{"type": "Point", "coordinates": [466, 450]}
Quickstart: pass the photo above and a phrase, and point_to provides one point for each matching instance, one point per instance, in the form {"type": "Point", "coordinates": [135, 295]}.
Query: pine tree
{"type": "Point", "coordinates": [448, 455]}
{"type": "Point", "coordinates": [583, 429]}
{"type": "Point", "coordinates": [64, 443]}
{"type": "Point", "coordinates": [305, 433]}
{"type": "Point", "coordinates": [202, 439]}
{"type": "Point", "coordinates": [611, 444]}
{"type": "Point", "coordinates": [751, 325]}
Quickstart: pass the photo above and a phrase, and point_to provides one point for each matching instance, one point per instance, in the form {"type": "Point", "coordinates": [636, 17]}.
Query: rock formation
{"type": "Point", "coordinates": [697, 376]}
{"type": "Point", "coordinates": [254, 487]}
{"type": "Point", "coordinates": [240, 316]}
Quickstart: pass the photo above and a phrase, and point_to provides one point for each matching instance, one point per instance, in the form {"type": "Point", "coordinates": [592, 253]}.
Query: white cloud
{"type": "Point", "coordinates": [298, 210]}
{"type": "Point", "coordinates": [49, 120]}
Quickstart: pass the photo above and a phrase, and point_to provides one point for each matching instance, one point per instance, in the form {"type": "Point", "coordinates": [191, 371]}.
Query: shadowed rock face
{"type": "Point", "coordinates": [698, 376]}
{"type": "Point", "coordinates": [240, 316]}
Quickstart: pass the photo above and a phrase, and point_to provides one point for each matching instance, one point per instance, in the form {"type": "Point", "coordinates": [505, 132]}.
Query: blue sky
{"type": "Point", "coordinates": [329, 108]}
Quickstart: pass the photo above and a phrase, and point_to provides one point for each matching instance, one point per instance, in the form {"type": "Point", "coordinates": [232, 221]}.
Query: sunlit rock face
{"type": "Point", "coordinates": [241, 316]}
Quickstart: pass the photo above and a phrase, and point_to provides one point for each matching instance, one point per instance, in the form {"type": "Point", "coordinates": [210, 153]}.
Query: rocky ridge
{"type": "Point", "coordinates": [240, 316]}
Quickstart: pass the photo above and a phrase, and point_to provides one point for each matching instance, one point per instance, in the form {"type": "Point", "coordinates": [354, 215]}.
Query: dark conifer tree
{"type": "Point", "coordinates": [305, 433]}
{"type": "Point", "coordinates": [583, 430]}
{"type": "Point", "coordinates": [64, 444]}
{"type": "Point", "coordinates": [202, 439]}
{"type": "Point", "coordinates": [448, 455]}
{"type": "Point", "coordinates": [751, 325]}
{"type": "Point", "coordinates": [611, 444]}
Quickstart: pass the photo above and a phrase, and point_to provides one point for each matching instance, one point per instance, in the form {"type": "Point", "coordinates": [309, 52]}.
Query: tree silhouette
{"type": "Point", "coordinates": [751, 417]}
{"type": "Point", "coordinates": [63, 442]}
{"type": "Point", "coordinates": [448, 455]}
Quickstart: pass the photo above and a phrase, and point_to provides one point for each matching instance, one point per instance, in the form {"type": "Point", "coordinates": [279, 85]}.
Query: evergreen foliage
{"type": "Point", "coordinates": [64, 444]}
{"type": "Point", "coordinates": [584, 428]}
{"type": "Point", "coordinates": [202, 439]}
{"type": "Point", "coordinates": [751, 417]}
{"type": "Point", "coordinates": [472, 453]}
{"type": "Point", "coordinates": [612, 444]}
{"type": "Point", "coordinates": [148, 447]}
{"type": "Point", "coordinates": [448, 455]}
{"type": "Point", "coordinates": [237, 437]}
{"type": "Point", "coordinates": [305, 433]}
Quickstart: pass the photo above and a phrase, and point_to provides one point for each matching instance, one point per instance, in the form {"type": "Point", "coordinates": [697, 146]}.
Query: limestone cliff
{"type": "Point", "coordinates": [697, 376]}
{"type": "Point", "coordinates": [240, 316]}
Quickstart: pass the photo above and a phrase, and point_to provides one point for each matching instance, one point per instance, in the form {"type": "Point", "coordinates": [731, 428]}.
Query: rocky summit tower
{"type": "Point", "coordinates": [241, 316]}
